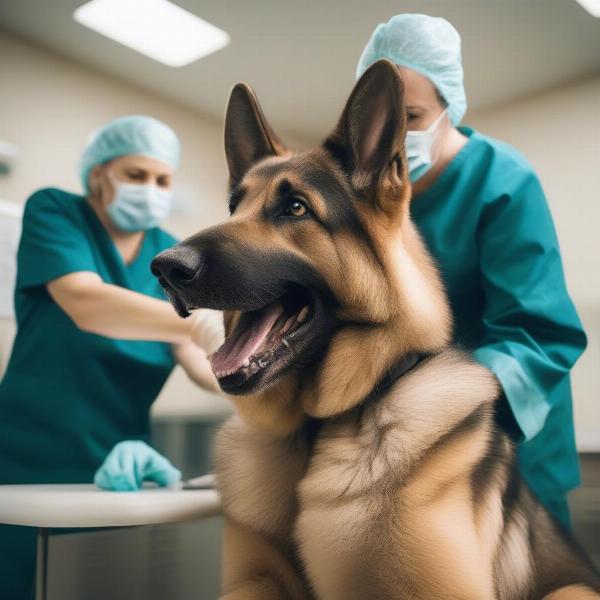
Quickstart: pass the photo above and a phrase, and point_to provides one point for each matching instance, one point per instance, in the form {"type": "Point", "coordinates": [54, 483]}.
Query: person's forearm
{"type": "Point", "coordinates": [116, 312]}
{"type": "Point", "coordinates": [120, 313]}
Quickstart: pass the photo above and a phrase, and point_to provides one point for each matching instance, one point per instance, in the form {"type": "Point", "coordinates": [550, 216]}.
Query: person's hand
{"type": "Point", "coordinates": [208, 331]}
{"type": "Point", "coordinates": [131, 463]}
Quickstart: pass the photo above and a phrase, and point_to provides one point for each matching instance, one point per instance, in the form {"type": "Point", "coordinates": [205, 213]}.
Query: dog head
{"type": "Point", "coordinates": [320, 273]}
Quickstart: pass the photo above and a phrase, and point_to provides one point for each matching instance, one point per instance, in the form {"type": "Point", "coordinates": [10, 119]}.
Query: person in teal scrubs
{"type": "Point", "coordinates": [482, 211]}
{"type": "Point", "coordinates": [96, 338]}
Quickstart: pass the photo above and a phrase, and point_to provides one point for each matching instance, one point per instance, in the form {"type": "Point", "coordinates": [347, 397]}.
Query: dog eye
{"type": "Point", "coordinates": [296, 208]}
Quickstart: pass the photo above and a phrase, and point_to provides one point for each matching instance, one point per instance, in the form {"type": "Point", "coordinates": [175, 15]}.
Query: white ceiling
{"type": "Point", "coordinates": [300, 56]}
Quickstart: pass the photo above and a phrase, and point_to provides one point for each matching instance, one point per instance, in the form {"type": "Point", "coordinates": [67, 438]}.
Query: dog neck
{"type": "Point", "coordinates": [396, 371]}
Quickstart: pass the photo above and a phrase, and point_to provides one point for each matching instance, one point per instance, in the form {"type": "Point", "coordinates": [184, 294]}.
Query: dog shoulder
{"type": "Point", "coordinates": [257, 476]}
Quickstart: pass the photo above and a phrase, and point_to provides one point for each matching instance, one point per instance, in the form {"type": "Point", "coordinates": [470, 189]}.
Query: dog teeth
{"type": "Point", "coordinates": [220, 374]}
{"type": "Point", "coordinates": [254, 367]}
{"type": "Point", "coordinates": [288, 324]}
{"type": "Point", "coordinates": [246, 363]}
{"type": "Point", "coordinates": [302, 315]}
{"type": "Point", "coordinates": [299, 318]}
{"type": "Point", "coordinates": [265, 359]}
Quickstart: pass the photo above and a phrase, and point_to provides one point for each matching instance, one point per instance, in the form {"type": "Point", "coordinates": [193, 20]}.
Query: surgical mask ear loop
{"type": "Point", "coordinates": [436, 144]}
{"type": "Point", "coordinates": [114, 182]}
{"type": "Point", "coordinates": [431, 128]}
{"type": "Point", "coordinates": [94, 193]}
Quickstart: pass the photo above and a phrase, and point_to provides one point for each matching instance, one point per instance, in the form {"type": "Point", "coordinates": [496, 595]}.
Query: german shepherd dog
{"type": "Point", "coordinates": [364, 460]}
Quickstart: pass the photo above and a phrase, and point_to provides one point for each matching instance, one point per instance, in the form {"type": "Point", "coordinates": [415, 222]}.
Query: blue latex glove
{"type": "Point", "coordinates": [131, 463]}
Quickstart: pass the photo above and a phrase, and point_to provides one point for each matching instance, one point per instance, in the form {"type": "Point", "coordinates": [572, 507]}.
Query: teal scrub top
{"type": "Point", "coordinates": [69, 396]}
{"type": "Point", "coordinates": [487, 223]}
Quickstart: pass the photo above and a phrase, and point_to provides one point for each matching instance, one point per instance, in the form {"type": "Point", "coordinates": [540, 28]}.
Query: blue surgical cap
{"type": "Point", "coordinates": [129, 135]}
{"type": "Point", "coordinates": [428, 45]}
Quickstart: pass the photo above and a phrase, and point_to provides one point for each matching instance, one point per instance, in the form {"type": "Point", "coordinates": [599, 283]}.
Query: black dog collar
{"type": "Point", "coordinates": [398, 369]}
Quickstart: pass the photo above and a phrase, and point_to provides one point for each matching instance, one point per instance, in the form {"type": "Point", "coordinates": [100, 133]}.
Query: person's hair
{"type": "Point", "coordinates": [441, 98]}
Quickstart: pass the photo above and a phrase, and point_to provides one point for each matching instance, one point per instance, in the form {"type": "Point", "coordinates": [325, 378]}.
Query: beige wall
{"type": "Point", "coordinates": [559, 132]}
{"type": "Point", "coordinates": [48, 107]}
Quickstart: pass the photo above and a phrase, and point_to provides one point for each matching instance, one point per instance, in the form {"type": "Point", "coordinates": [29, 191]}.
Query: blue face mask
{"type": "Point", "coordinates": [419, 148]}
{"type": "Point", "coordinates": [138, 207]}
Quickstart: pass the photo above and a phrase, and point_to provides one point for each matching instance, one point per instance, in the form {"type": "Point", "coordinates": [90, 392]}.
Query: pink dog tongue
{"type": "Point", "coordinates": [238, 348]}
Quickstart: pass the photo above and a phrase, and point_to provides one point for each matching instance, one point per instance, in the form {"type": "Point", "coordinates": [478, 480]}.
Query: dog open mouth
{"type": "Point", "coordinates": [283, 312]}
{"type": "Point", "coordinates": [264, 342]}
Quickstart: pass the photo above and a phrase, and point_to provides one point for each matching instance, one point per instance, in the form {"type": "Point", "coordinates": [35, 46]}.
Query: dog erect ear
{"type": "Point", "coordinates": [248, 136]}
{"type": "Point", "coordinates": [369, 138]}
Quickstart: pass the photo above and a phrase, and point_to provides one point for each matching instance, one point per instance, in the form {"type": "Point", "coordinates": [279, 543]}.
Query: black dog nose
{"type": "Point", "coordinates": [178, 266]}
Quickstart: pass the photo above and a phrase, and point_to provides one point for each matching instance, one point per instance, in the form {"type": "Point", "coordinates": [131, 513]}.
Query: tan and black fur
{"type": "Point", "coordinates": [339, 481]}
